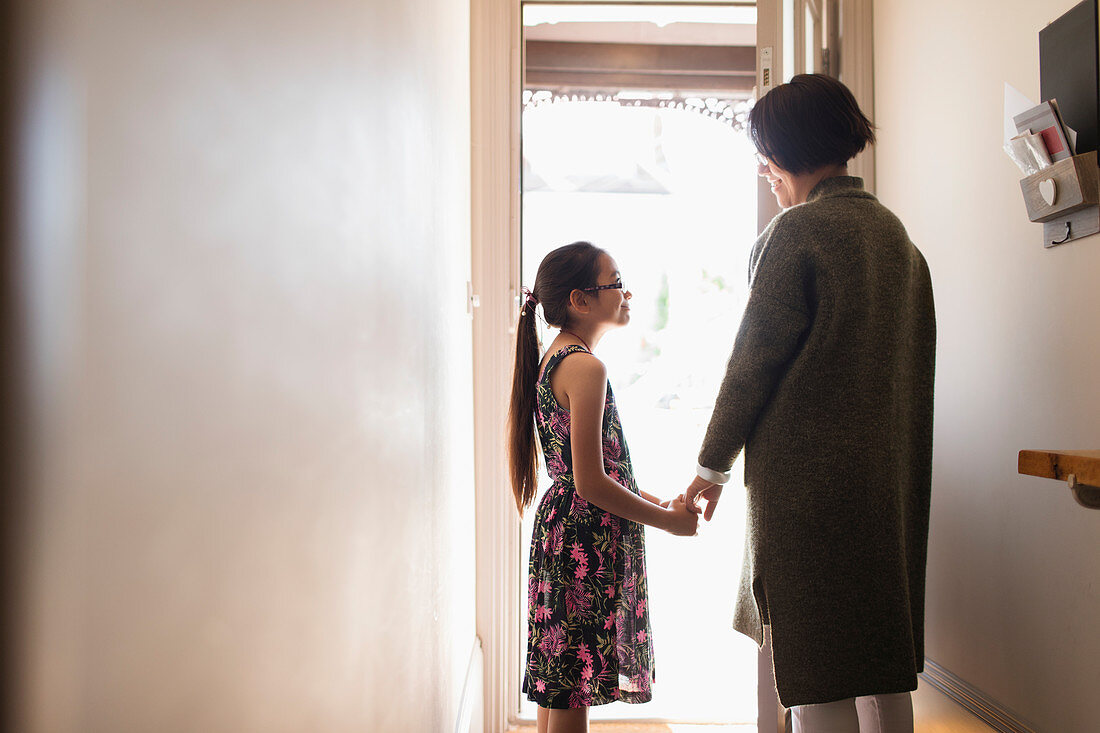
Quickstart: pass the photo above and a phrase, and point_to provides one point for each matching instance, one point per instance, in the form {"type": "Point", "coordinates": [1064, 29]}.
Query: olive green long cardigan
{"type": "Point", "coordinates": [829, 391]}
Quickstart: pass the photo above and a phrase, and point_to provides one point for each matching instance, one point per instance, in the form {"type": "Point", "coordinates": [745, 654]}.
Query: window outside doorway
{"type": "Point", "coordinates": [665, 180]}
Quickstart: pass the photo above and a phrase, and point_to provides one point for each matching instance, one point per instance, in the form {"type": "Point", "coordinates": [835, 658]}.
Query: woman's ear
{"type": "Point", "coordinates": [578, 301]}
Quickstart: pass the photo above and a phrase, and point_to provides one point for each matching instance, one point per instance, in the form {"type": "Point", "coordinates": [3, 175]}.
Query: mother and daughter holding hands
{"type": "Point", "coordinates": [828, 390]}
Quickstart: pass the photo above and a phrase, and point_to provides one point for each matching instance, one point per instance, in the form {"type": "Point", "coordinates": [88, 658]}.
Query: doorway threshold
{"type": "Point", "coordinates": [632, 727]}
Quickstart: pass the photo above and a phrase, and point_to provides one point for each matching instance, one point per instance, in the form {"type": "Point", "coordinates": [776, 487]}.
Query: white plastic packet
{"type": "Point", "coordinates": [1028, 152]}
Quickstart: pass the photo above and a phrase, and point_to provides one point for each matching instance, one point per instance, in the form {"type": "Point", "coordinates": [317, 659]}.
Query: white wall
{"type": "Point", "coordinates": [1014, 563]}
{"type": "Point", "coordinates": [245, 241]}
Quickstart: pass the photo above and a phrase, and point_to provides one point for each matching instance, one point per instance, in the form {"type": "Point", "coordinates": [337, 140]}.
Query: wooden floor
{"type": "Point", "coordinates": [653, 728]}
{"type": "Point", "coordinates": [933, 712]}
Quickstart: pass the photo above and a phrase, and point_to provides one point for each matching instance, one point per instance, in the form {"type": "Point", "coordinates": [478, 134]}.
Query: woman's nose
{"type": "Point", "coordinates": [627, 294]}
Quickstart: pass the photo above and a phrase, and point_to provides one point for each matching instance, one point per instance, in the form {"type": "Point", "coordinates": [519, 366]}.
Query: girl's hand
{"type": "Point", "coordinates": [680, 520]}
{"type": "Point", "coordinates": [668, 502]}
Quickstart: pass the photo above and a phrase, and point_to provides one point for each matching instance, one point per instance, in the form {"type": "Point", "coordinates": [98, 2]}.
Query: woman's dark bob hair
{"type": "Point", "coordinates": [809, 123]}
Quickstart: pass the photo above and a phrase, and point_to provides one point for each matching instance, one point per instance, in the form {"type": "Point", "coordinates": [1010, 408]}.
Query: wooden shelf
{"type": "Point", "coordinates": [1081, 468]}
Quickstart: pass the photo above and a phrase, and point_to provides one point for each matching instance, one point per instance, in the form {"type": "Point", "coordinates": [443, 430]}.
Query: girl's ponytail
{"type": "Point", "coordinates": [565, 269]}
{"type": "Point", "coordinates": [523, 459]}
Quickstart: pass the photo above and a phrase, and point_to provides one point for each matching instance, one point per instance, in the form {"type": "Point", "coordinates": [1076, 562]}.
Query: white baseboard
{"type": "Point", "coordinates": [973, 700]}
{"type": "Point", "coordinates": [470, 717]}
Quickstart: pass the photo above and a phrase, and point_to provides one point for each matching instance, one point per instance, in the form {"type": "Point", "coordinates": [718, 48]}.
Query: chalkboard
{"type": "Point", "coordinates": [1068, 64]}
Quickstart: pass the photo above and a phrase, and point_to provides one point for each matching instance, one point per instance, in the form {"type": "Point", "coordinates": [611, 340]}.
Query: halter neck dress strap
{"type": "Point", "coordinates": [556, 358]}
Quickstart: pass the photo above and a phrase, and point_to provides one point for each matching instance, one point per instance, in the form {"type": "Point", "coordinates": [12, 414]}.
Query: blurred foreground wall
{"type": "Point", "coordinates": [238, 356]}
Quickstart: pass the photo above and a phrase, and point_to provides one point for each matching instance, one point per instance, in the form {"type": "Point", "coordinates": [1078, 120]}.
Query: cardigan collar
{"type": "Point", "coordinates": [837, 186]}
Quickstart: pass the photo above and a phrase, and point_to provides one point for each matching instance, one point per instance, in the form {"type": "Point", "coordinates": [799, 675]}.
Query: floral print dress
{"type": "Point", "coordinates": [588, 638]}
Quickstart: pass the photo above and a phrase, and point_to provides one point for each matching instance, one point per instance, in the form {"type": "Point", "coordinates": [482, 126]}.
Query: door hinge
{"type": "Point", "coordinates": [473, 300]}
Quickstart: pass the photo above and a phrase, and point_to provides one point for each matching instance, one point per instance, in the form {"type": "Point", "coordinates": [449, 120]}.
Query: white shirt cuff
{"type": "Point", "coordinates": [715, 477]}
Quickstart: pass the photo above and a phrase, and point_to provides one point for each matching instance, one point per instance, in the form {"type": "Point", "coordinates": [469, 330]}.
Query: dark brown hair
{"type": "Point", "coordinates": [572, 267]}
{"type": "Point", "coordinates": [809, 123]}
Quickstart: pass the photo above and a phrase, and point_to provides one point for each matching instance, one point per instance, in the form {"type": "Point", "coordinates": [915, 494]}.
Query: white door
{"type": "Point", "coordinates": [819, 37]}
{"type": "Point", "coordinates": [794, 37]}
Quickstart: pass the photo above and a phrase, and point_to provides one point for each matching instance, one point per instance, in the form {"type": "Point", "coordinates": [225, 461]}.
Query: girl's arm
{"type": "Point", "coordinates": [583, 378]}
{"type": "Point", "coordinates": [654, 500]}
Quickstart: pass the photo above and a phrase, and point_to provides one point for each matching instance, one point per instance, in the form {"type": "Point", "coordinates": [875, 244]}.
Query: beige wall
{"type": "Point", "coordinates": [1013, 597]}
{"type": "Point", "coordinates": [244, 252]}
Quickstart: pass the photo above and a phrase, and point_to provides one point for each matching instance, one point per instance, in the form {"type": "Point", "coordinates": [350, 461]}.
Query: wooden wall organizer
{"type": "Point", "coordinates": [1064, 197]}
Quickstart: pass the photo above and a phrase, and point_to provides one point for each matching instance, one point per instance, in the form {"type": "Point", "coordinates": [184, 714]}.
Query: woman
{"type": "Point", "coordinates": [829, 391]}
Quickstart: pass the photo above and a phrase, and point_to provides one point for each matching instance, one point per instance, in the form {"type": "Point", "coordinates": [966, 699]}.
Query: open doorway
{"type": "Point", "coordinates": [632, 138]}
{"type": "Point", "coordinates": [497, 90]}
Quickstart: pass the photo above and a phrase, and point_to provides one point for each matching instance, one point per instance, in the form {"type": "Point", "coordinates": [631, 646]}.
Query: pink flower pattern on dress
{"type": "Point", "coordinates": [612, 450]}
{"type": "Point", "coordinates": [553, 641]}
{"type": "Point", "coordinates": [577, 598]}
{"type": "Point", "coordinates": [555, 466]}
{"type": "Point", "coordinates": [559, 424]}
{"type": "Point", "coordinates": [579, 506]}
{"type": "Point", "coordinates": [588, 637]}
{"type": "Point", "coordinates": [557, 538]}
{"type": "Point", "coordinates": [580, 698]}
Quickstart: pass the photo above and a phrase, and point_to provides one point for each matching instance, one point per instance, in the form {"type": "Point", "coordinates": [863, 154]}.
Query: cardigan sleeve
{"type": "Point", "coordinates": [770, 335]}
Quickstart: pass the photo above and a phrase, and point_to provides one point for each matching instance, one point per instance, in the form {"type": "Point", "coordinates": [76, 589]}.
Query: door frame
{"type": "Point", "coordinates": [496, 85]}
{"type": "Point", "coordinates": [495, 94]}
{"type": "Point", "coordinates": [855, 57]}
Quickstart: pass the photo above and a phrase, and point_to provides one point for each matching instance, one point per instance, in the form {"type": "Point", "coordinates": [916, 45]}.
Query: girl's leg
{"type": "Point", "coordinates": [885, 713]}
{"type": "Point", "coordinates": [828, 717]}
{"type": "Point", "coordinates": [543, 719]}
{"type": "Point", "coordinates": [573, 720]}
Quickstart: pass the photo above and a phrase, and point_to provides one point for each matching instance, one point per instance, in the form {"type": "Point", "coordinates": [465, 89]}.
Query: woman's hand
{"type": "Point", "coordinates": [679, 520]}
{"type": "Point", "coordinates": [701, 488]}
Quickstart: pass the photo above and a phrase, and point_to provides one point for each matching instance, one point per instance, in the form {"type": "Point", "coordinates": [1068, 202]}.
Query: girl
{"type": "Point", "coordinates": [588, 637]}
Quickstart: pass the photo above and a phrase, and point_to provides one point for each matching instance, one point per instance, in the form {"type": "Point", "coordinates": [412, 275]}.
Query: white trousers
{"type": "Point", "coordinates": [871, 714]}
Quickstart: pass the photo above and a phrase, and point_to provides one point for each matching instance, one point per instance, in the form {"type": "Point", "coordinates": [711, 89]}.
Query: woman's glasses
{"type": "Point", "coordinates": [612, 286]}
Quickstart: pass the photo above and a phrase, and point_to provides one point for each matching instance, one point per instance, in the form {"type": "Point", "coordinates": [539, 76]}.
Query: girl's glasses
{"type": "Point", "coordinates": [612, 286]}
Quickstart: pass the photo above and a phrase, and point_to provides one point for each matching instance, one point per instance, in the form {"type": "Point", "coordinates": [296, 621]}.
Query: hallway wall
{"type": "Point", "coordinates": [1013, 595]}
{"type": "Point", "coordinates": [244, 241]}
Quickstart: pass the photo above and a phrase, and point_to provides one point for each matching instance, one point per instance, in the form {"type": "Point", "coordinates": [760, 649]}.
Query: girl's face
{"type": "Point", "coordinates": [609, 304]}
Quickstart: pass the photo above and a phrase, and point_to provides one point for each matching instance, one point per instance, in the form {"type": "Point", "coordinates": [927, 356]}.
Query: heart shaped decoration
{"type": "Point", "coordinates": [1048, 191]}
